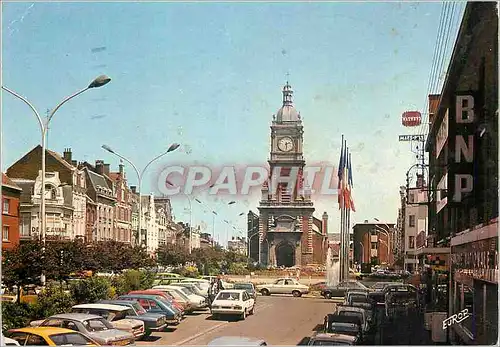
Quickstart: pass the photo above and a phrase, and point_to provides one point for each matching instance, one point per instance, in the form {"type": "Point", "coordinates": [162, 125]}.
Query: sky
{"type": "Point", "coordinates": [209, 77]}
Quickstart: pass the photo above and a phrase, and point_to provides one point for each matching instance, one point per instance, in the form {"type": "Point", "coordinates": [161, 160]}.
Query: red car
{"type": "Point", "coordinates": [164, 295]}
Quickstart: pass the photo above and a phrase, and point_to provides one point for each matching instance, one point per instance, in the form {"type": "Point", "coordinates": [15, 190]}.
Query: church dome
{"type": "Point", "coordinates": [287, 113]}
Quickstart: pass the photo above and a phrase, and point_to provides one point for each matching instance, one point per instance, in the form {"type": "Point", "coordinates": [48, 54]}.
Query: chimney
{"type": "Point", "coordinates": [324, 225]}
{"type": "Point", "coordinates": [67, 155]}
{"type": "Point", "coordinates": [106, 169]}
{"type": "Point", "coordinates": [99, 166]}
{"type": "Point", "coordinates": [120, 169]}
{"type": "Point", "coordinates": [133, 189]}
{"type": "Point", "coordinates": [74, 163]}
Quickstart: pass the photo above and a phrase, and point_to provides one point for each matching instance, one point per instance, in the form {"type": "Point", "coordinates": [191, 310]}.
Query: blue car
{"type": "Point", "coordinates": [156, 304]}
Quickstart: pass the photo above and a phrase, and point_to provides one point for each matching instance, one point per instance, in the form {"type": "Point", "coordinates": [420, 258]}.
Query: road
{"type": "Point", "coordinates": [279, 320]}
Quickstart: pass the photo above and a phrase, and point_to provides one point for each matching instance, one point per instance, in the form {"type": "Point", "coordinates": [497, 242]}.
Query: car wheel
{"type": "Point", "coordinates": [215, 316]}
{"type": "Point", "coordinates": [244, 314]}
{"type": "Point", "coordinates": [328, 295]}
{"type": "Point", "coordinates": [252, 311]}
{"type": "Point", "coordinates": [265, 292]}
{"type": "Point", "coordinates": [296, 293]}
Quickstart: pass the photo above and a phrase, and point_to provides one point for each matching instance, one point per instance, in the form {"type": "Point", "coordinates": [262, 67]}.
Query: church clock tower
{"type": "Point", "coordinates": [285, 221]}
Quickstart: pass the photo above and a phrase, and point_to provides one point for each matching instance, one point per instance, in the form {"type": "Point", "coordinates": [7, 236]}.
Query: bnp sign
{"type": "Point", "coordinates": [457, 133]}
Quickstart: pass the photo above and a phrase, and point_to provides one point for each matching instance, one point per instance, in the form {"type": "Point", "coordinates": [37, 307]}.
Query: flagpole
{"type": "Point", "coordinates": [341, 251]}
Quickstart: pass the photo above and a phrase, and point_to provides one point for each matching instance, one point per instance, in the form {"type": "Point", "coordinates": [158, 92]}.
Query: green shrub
{"type": "Point", "coordinates": [16, 315]}
{"type": "Point", "coordinates": [132, 280]}
{"type": "Point", "coordinates": [238, 269]}
{"type": "Point", "coordinates": [53, 300]}
{"type": "Point", "coordinates": [188, 271]}
{"type": "Point", "coordinates": [91, 290]}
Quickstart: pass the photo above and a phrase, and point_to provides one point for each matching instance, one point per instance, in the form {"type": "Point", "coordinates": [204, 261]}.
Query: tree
{"type": "Point", "coordinates": [23, 265]}
{"type": "Point", "coordinates": [64, 257]}
{"type": "Point", "coordinates": [116, 256]}
{"type": "Point", "coordinates": [170, 255]}
{"type": "Point", "coordinates": [91, 290]}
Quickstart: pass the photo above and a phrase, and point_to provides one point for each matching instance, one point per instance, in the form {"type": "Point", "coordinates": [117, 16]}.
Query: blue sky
{"type": "Point", "coordinates": [209, 76]}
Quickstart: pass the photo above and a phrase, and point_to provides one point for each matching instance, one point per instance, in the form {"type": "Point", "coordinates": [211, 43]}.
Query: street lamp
{"type": "Point", "coordinates": [44, 124]}
{"type": "Point", "coordinates": [140, 175]}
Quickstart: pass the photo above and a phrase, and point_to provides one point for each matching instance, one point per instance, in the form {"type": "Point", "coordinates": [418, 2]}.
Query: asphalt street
{"type": "Point", "coordinates": [278, 320]}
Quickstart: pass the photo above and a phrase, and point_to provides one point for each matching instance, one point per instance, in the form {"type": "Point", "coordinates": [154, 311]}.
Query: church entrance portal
{"type": "Point", "coordinates": [285, 255]}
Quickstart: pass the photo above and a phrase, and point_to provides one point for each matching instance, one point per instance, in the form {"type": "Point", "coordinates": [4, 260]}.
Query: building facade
{"type": "Point", "coordinates": [238, 245]}
{"type": "Point", "coordinates": [253, 235]}
{"type": "Point", "coordinates": [463, 169]}
{"type": "Point", "coordinates": [415, 222]}
{"type": "Point", "coordinates": [122, 224]}
{"type": "Point", "coordinates": [148, 223]}
{"type": "Point", "coordinates": [286, 233]}
{"type": "Point", "coordinates": [11, 195]}
{"type": "Point", "coordinates": [372, 243]}
{"type": "Point", "coordinates": [65, 186]}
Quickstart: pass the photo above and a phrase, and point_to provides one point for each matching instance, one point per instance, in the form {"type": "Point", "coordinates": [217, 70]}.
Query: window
{"type": "Point", "coordinates": [5, 233]}
{"type": "Point", "coordinates": [411, 242]}
{"type": "Point", "coordinates": [35, 340]}
{"type": "Point", "coordinates": [411, 221]}
{"type": "Point", "coordinates": [374, 245]}
{"type": "Point", "coordinates": [70, 339]}
{"type": "Point", "coordinates": [6, 205]}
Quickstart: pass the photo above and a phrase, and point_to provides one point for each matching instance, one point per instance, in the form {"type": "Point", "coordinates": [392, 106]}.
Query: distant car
{"type": "Point", "coordinates": [326, 339]}
{"type": "Point", "coordinates": [196, 302]}
{"type": "Point", "coordinates": [233, 302]}
{"type": "Point", "coordinates": [342, 324]}
{"type": "Point", "coordinates": [163, 294]}
{"type": "Point", "coordinates": [152, 321]}
{"type": "Point", "coordinates": [194, 287]}
{"type": "Point", "coordinates": [117, 315]}
{"type": "Point", "coordinates": [94, 326]}
{"type": "Point", "coordinates": [283, 286]}
{"type": "Point", "coordinates": [340, 289]}
{"type": "Point", "coordinates": [179, 297]}
{"type": "Point", "coordinates": [50, 336]}
{"type": "Point", "coordinates": [355, 312]}
{"type": "Point", "coordinates": [361, 300]}
{"type": "Point", "coordinates": [249, 287]}
{"type": "Point", "coordinates": [236, 341]}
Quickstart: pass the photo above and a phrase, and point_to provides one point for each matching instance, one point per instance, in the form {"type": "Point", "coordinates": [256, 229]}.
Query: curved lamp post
{"type": "Point", "coordinates": [362, 252]}
{"type": "Point", "coordinates": [387, 233]}
{"type": "Point", "coordinates": [140, 175]}
{"type": "Point", "coordinates": [44, 124]}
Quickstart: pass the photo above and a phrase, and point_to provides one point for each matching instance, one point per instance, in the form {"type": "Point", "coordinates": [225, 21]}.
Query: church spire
{"type": "Point", "coordinates": [287, 95]}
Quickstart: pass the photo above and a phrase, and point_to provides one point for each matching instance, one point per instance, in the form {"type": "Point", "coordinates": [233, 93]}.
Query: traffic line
{"type": "Point", "coordinates": [191, 338]}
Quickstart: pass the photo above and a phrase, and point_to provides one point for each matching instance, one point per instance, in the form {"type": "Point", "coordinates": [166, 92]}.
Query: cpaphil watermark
{"type": "Point", "coordinates": [320, 179]}
{"type": "Point", "coordinates": [456, 318]}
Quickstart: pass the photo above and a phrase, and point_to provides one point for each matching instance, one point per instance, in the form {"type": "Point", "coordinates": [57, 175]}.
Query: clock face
{"type": "Point", "coordinates": [285, 144]}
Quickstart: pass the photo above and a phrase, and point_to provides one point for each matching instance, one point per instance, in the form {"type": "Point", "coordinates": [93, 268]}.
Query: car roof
{"type": "Point", "coordinates": [75, 316]}
{"type": "Point", "coordinates": [141, 296]}
{"type": "Point", "coordinates": [102, 306]}
{"type": "Point", "coordinates": [120, 302]}
{"type": "Point", "coordinates": [235, 341]}
{"type": "Point", "coordinates": [233, 291]}
{"type": "Point", "coordinates": [43, 330]}
{"type": "Point", "coordinates": [350, 308]}
{"type": "Point", "coordinates": [333, 336]}
{"type": "Point", "coordinates": [244, 284]}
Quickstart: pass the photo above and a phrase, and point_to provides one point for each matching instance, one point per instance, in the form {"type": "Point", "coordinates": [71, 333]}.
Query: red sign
{"type": "Point", "coordinates": [412, 118]}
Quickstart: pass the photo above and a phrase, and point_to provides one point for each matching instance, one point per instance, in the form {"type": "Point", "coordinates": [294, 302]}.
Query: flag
{"type": "Point", "coordinates": [345, 182]}
{"type": "Point", "coordinates": [340, 175]}
{"type": "Point", "coordinates": [350, 184]}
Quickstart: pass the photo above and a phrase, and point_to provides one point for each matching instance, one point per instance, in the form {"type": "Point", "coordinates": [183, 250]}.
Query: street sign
{"type": "Point", "coordinates": [411, 138]}
{"type": "Point", "coordinates": [411, 118]}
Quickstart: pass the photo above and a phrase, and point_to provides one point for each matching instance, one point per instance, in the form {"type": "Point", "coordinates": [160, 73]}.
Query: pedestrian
{"type": "Point", "coordinates": [219, 284]}
{"type": "Point", "coordinates": [211, 294]}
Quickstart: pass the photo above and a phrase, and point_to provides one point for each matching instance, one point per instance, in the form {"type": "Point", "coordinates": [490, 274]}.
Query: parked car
{"type": "Point", "coordinates": [193, 287]}
{"type": "Point", "coordinates": [94, 326]}
{"type": "Point", "coordinates": [325, 339]}
{"type": "Point", "coordinates": [203, 284]}
{"type": "Point", "coordinates": [201, 300]}
{"type": "Point", "coordinates": [196, 302]}
{"type": "Point", "coordinates": [233, 302]}
{"type": "Point", "coordinates": [155, 304]}
{"type": "Point", "coordinates": [179, 297]}
{"type": "Point", "coordinates": [342, 324]}
{"type": "Point", "coordinates": [355, 312]}
{"type": "Point", "coordinates": [377, 291]}
{"type": "Point", "coordinates": [249, 287]}
{"type": "Point", "coordinates": [362, 300]}
{"type": "Point", "coordinates": [152, 321]}
{"type": "Point", "coordinates": [6, 341]}
{"type": "Point", "coordinates": [236, 341]}
{"type": "Point", "coordinates": [49, 336]}
{"type": "Point", "coordinates": [118, 316]}
{"type": "Point", "coordinates": [164, 295]}
{"type": "Point", "coordinates": [283, 286]}
{"type": "Point", "coordinates": [340, 289]}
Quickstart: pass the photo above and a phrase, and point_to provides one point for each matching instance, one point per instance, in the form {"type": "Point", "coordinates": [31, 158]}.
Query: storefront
{"type": "Point", "coordinates": [475, 285]}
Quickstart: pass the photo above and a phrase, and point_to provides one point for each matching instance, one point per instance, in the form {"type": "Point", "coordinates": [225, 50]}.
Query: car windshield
{"type": "Point", "coordinates": [179, 293]}
{"type": "Point", "coordinates": [340, 328]}
{"type": "Point", "coordinates": [96, 324]}
{"type": "Point", "coordinates": [228, 296]}
{"type": "Point", "coordinates": [71, 339]}
{"type": "Point", "coordinates": [358, 298]}
{"type": "Point", "coordinates": [138, 308]}
{"type": "Point", "coordinates": [351, 314]}
{"type": "Point", "coordinates": [245, 286]}
{"type": "Point", "coordinates": [186, 291]}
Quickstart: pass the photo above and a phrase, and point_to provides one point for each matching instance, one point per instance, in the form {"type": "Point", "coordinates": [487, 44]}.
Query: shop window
{"type": "Point", "coordinates": [411, 242]}
{"type": "Point", "coordinates": [468, 303]}
{"type": "Point", "coordinates": [411, 221]}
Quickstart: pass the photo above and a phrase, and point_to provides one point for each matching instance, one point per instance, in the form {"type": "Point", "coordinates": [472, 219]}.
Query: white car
{"type": "Point", "coordinates": [6, 341]}
{"type": "Point", "coordinates": [283, 286]}
{"type": "Point", "coordinates": [196, 301]}
{"type": "Point", "coordinates": [233, 302]}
